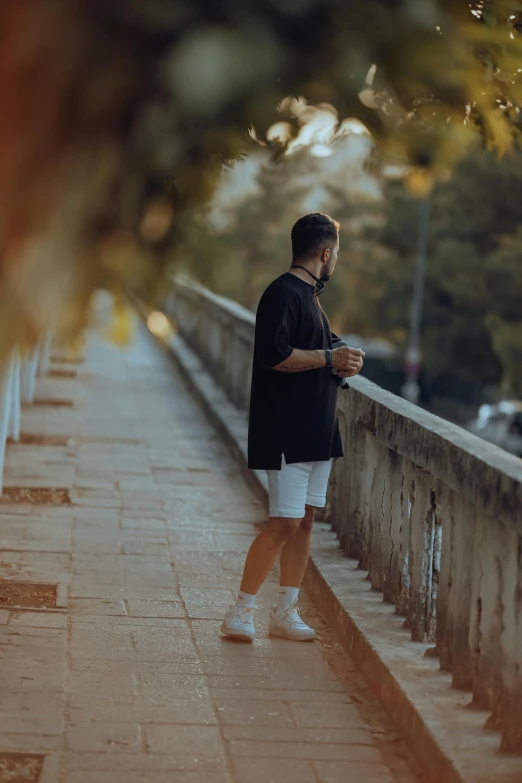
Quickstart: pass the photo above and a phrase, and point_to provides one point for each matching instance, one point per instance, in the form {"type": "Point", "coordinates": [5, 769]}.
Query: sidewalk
{"type": "Point", "coordinates": [126, 678]}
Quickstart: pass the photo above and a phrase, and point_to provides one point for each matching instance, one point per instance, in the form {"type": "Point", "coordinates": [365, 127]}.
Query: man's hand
{"type": "Point", "coordinates": [348, 361]}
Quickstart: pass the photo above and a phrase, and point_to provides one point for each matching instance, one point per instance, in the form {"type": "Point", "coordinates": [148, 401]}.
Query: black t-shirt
{"type": "Point", "coordinates": [291, 413]}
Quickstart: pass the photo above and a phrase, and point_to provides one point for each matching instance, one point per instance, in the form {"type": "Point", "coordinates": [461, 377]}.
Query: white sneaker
{"type": "Point", "coordinates": [239, 623]}
{"type": "Point", "coordinates": [288, 623]}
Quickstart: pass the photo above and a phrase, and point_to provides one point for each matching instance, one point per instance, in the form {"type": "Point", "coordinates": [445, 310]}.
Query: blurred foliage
{"type": "Point", "coordinates": [472, 323]}
{"type": "Point", "coordinates": [507, 341]}
{"type": "Point", "coordinates": [117, 117]}
{"type": "Point", "coordinates": [240, 257]}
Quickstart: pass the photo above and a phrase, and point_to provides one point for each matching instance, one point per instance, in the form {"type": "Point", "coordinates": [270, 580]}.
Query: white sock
{"type": "Point", "coordinates": [245, 599]}
{"type": "Point", "coordinates": [287, 596]}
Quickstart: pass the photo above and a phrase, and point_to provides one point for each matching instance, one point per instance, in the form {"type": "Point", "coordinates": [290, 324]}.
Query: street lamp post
{"type": "Point", "coordinates": [411, 388]}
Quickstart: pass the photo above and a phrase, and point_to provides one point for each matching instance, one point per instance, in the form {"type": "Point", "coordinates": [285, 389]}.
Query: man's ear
{"type": "Point", "coordinates": [325, 255]}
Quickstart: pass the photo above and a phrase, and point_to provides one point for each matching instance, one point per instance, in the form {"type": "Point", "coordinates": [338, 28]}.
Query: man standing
{"type": "Point", "coordinates": [293, 429]}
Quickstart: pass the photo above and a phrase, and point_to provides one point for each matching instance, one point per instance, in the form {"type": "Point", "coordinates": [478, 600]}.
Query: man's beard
{"type": "Point", "coordinates": [324, 277]}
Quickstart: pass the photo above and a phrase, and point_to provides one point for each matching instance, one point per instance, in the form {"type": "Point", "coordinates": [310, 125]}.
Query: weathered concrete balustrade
{"type": "Point", "coordinates": [17, 386]}
{"type": "Point", "coordinates": [432, 513]}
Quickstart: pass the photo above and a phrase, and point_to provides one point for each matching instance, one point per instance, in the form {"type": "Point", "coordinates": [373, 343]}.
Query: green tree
{"type": "Point", "coordinates": [504, 318]}
{"type": "Point", "coordinates": [472, 312]}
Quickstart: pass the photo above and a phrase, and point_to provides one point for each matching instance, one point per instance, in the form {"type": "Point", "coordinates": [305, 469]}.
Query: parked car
{"type": "Point", "coordinates": [500, 424]}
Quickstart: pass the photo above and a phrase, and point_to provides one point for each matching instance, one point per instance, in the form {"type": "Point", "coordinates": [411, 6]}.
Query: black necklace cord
{"type": "Point", "coordinates": [319, 286]}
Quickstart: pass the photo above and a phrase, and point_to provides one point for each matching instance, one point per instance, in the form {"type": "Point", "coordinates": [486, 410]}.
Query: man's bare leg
{"type": "Point", "coordinates": [290, 538]}
{"type": "Point", "coordinates": [264, 551]}
{"type": "Point", "coordinates": [284, 619]}
{"type": "Point", "coordinates": [296, 551]}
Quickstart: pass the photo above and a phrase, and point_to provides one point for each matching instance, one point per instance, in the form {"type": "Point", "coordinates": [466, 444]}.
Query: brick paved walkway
{"type": "Point", "coordinates": [131, 681]}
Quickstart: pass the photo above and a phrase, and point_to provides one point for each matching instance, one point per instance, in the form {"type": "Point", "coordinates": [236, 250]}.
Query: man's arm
{"type": "Point", "coordinates": [347, 360]}
{"type": "Point", "coordinates": [299, 361]}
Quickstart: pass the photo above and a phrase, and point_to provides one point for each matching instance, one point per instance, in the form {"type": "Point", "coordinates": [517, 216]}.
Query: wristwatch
{"type": "Point", "coordinates": [328, 357]}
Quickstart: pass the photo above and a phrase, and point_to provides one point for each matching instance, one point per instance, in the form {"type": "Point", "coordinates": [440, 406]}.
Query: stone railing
{"type": "Point", "coordinates": [432, 513]}
{"type": "Point", "coordinates": [17, 386]}
{"type": "Point", "coordinates": [221, 332]}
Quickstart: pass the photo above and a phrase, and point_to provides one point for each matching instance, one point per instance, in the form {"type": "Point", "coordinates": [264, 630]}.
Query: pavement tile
{"type": "Point", "coordinates": [278, 683]}
{"type": "Point", "coordinates": [198, 710]}
{"type": "Point", "coordinates": [187, 536]}
{"type": "Point", "coordinates": [42, 543]}
{"type": "Point", "coordinates": [10, 510]}
{"type": "Point", "coordinates": [81, 776]}
{"type": "Point", "coordinates": [88, 544]}
{"type": "Point", "coordinates": [199, 741]}
{"type": "Point", "coordinates": [143, 762]}
{"type": "Point", "coordinates": [96, 481]}
{"type": "Point", "coordinates": [44, 703]}
{"type": "Point", "coordinates": [157, 578]}
{"type": "Point", "coordinates": [326, 698]}
{"type": "Point", "coordinates": [31, 743]}
{"type": "Point", "coordinates": [314, 713]}
{"type": "Point", "coordinates": [134, 481]}
{"type": "Point", "coordinates": [94, 501]}
{"type": "Point", "coordinates": [120, 685]}
{"type": "Point", "coordinates": [101, 562]}
{"type": "Point", "coordinates": [254, 666]}
{"type": "Point", "coordinates": [346, 771]}
{"type": "Point", "coordinates": [93, 517]}
{"type": "Point", "coordinates": [165, 642]}
{"type": "Point", "coordinates": [179, 667]}
{"type": "Point", "coordinates": [207, 611]}
{"type": "Point", "coordinates": [143, 547]}
{"type": "Point", "coordinates": [103, 736]}
{"type": "Point", "coordinates": [94, 606]}
{"type": "Point", "coordinates": [230, 542]}
{"type": "Point", "coordinates": [147, 608]}
{"type": "Point", "coordinates": [13, 680]}
{"type": "Point", "coordinates": [18, 618]}
{"type": "Point", "coordinates": [25, 723]}
{"type": "Point", "coordinates": [311, 751]}
{"type": "Point", "coordinates": [142, 523]}
{"type": "Point", "coordinates": [40, 637]}
{"type": "Point", "coordinates": [141, 515]}
{"type": "Point", "coordinates": [83, 577]}
{"type": "Point", "coordinates": [252, 713]}
{"type": "Point", "coordinates": [269, 770]}
{"type": "Point", "coordinates": [208, 581]}
{"type": "Point", "coordinates": [31, 560]}
{"type": "Point", "coordinates": [94, 590]}
{"type": "Point", "coordinates": [291, 733]}
{"type": "Point", "coordinates": [95, 643]}
{"type": "Point", "coordinates": [162, 687]}
{"type": "Point", "coordinates": [114, 621]}
{"type": "Point", "coordinates": [207, 595]}
{"type": "Point", "coordinates": [155, 506]}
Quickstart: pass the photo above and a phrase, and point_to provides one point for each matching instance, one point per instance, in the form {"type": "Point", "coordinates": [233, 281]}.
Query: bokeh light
{"type": "Point", "coordinates": [159, 325]}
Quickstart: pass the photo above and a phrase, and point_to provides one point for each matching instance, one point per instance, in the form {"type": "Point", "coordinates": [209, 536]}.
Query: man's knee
{"type": "Point", "coordinates": [284, 528]}
{"type": "Point", "coordinates": [307, 522]}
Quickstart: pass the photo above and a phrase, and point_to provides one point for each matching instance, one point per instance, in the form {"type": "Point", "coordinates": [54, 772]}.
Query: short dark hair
{"type": "Point", "coordinates": [311, 233]}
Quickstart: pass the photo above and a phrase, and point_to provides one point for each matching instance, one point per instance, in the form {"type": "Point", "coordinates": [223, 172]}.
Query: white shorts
{"type": "Point", "coordinates": [297, 485]}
